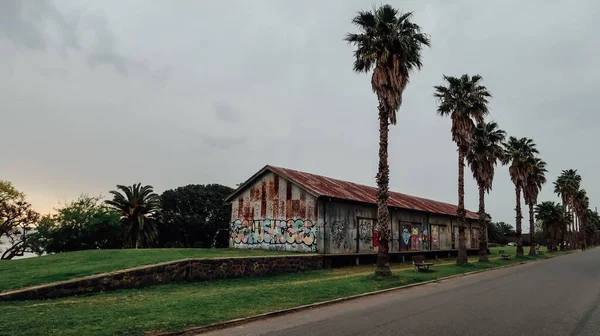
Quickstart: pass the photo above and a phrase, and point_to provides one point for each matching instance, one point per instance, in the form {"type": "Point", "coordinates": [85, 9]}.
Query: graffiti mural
{"type": "Point", "coordinates": [338, 234]}
{"type": "Point", "coordinates": [289, 235]}
{"type": "Point", "coordinates": [425, 239]}
{"type": "Point", "coordinates": [405, 236]}
{"type": "Point", "coordinates": [435, 238]}
{"type": "Point", "coordinates": [414, 239]}
{"type": "Point", "coordinates": [365, 230]}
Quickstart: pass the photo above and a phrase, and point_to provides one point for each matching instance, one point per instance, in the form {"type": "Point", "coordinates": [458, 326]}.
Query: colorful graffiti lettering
{"type": "Point", "coordinates": [274, 234]}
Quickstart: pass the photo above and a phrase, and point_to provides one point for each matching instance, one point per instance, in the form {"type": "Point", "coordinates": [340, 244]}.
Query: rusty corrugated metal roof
{"type": "Point", "coordinates": [326, 186]}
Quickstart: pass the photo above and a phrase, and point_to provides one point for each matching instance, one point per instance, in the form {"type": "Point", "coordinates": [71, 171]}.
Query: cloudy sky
{"type": "Point", "coordinates": [98, 93]}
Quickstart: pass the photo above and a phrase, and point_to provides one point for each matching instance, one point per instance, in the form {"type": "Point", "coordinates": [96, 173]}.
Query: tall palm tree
{"type": "Point", "coordinates": [138, 205]}
{"type": "Point", "coordinates": [581, 203]}
{"type": "Point", "coordinates": [519, 153]}
{"type": "Point", "coordinates": [566, 186]}
{"type": "Point", "coordinates": [389, 43]}
{"type": "Point", "coordinates": [533, 185]}
{"type": "Point", "coordinates": [465, 101]}
{"type": "Point", "coordinates": [482, 156]}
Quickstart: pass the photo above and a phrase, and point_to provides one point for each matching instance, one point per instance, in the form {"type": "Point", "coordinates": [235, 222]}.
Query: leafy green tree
{"type": "Point", "coordinates": [555, 219]}
{"type": "Point", "coordinates": [533, 185]}
{"type": "Point", "coordinates": [84, 224]}
{"type": "Point", "coordinates": [195, 216]}
{"type": "Point", "coordinates": [138, 207]}
{"type": "Point", "coordinates": [465, 101]}
{"type": "Point", "coordinates": [483, 154]}
{"type": "Point", "coordinates": [17, 221]}
{"type": "Point", "coordinates": [505, 229]}
{"type": "Point", "coordinates": [519, 153]}
{"type": "Point", "coordinates": [389, 43]}
{"type": "Point", "coordinates": [493, 232]}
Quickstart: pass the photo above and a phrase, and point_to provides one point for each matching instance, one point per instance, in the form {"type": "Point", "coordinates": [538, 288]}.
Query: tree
{"type": "Point", "coordinates": [483, 154]}
{"type": "Point", "coordinates": [533, 185]}
{"type": "Point", "coordinates": [519, 153]}
{"type": "Point", "coordinates": [138, 207]}
{"type": "Point", "coordinates": [84, 224]}
{"type": "Point", "coordinates": [493, 232]}
{"type": "Point", "coordinates": [389, 43]}
{"type": "Point", "coordinates": [554, 218]}
{"type": "Point", "coordinates": [195, 216]}
{"type": "Point", "coordinates": [592, 227]}
{"type": "Point", "coordinates": [566, 186]}
{"type": "Point", "coordinates": [465, 101]}
{"type": "Point", "coordinates": [17, 220]}
{"type": "Point", "coordinates": [581, 203]}
{"type": "Point", "coordinates": [505, 229]}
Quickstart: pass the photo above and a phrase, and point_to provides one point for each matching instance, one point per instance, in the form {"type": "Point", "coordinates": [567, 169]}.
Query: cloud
{"type": "Point", "coordinates": [227, 113]}
{"type": "Point", "coordinates": [38, 24]}
{"type": "Point", "coordinates": [222, 142]}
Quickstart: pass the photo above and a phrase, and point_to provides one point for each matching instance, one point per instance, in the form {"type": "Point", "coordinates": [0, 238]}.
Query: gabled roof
{"type": "Point", "coordinates": [318, 185]}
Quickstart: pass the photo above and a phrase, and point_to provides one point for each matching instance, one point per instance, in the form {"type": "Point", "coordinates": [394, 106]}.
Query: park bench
{"type": "Point", "coordinates": [503, 255]}
{"type": "Point", "coordinates": [419, 263]}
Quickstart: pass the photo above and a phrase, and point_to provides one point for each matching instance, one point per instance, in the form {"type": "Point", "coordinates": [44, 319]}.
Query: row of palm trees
{"type": "Point", "coordinates": [390, 44]}
{"type": "Point", "coordinates": [576, 204]}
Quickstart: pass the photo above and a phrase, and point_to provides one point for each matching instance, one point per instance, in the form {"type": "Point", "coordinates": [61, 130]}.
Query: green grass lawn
{"type": "Point", "coordinates": [64, 266]}
{"type": "Point", "coordinates": [512, 250]}
{"type": "Point", "coordinates": [182, 305]}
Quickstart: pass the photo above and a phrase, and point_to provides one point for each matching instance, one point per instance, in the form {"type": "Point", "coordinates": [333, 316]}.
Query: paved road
{"type": "Point", "coordinates": [558, 297]}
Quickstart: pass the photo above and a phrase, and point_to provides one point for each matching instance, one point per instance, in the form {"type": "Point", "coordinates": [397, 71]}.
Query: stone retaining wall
{"type": "Point", "coordinates": [181, 270]}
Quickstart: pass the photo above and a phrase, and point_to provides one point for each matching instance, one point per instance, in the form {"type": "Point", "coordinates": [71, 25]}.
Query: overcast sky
{"type": "Point", "coordinates": [99, 93]}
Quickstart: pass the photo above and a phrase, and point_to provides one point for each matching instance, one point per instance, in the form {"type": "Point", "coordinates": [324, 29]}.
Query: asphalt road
{"type": "Point", "coordinates": [560, 296]}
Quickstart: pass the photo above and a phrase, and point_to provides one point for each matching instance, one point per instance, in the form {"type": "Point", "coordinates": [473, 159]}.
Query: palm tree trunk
{"type": "Point", "coordinates": [383, 176]}
{"type": "Point", "coordinates": [518, 218]}
{"type": "Point", "coordinates": [460, 212]}
{"type": "Point", "coordinates": [532, 251]}
{"type": "Point", "coordinates": [483, 256]}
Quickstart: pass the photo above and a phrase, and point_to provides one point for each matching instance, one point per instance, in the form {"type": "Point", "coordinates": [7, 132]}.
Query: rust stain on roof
{"type": "Point", "coordinates": [326, 186]}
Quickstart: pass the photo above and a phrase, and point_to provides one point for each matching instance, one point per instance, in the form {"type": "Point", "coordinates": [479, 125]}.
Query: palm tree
{"type": "Point", "coordinates": [483, 154]}
{"type": "Point", "coordinates": [138, 206]}
{"type": "Point", "coordinates": [593, 225]}
{"type": "Point", "coordinates": [533, 185]}
{"type": "Point", "coordinates": [519, 153]}
{"type": "Point", "coordinates": [465, 101]}
{"type": "Point", "coordinates": [554, 218]}
{"type": "Point", "coordinates": [566, 186]}
{"type": "Point", "coordinates": [389, 43]}
{"type": "Point", "coordinates": [581, 202]}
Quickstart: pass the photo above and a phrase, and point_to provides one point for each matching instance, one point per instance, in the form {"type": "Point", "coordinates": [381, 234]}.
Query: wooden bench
{"type": "Point", "coordinates": [419, 263]}
{"type": "Point", "coordinates": [503, 255]}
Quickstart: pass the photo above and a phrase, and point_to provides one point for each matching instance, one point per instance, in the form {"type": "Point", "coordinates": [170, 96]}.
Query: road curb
{"type": "Point", "coordinates": [243, 320]}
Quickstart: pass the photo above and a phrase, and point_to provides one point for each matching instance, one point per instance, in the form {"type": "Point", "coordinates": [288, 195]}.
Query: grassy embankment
{"type": "Point", "coordinates": [64, 266]}
{"type": "Point", "coordinates": [183, 305]}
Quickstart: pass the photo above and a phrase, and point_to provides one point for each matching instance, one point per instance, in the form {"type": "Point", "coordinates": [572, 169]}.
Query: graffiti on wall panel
{"type": "Point", "coordinates": [405, 236]}
{"type": "Point", "coordinates": [274, 234]}
{"type": "Point", "coordinates": [338, 234]}
{"type": "Point", "coordinates": [365, 230]}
